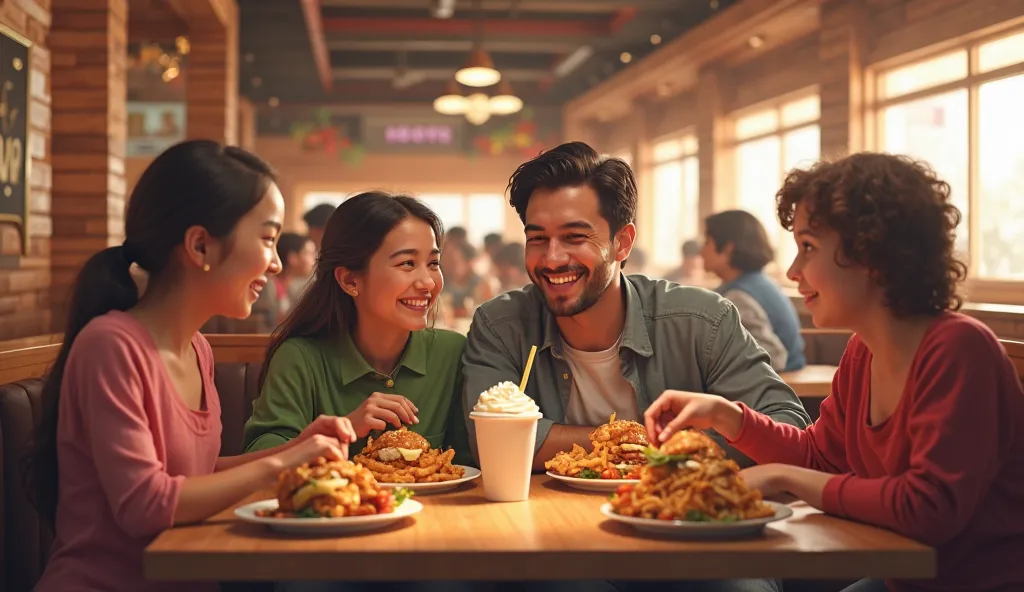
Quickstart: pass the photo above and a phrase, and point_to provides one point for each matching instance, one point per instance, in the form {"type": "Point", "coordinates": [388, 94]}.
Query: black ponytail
{"type": "Point", "coordinates": [194, 183]}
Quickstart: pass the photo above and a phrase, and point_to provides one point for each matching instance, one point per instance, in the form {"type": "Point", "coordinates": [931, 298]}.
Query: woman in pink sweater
{"type": "Point", "coordinates": [923, 432]}
{"type": "Point", "coordinates": [130, 440]}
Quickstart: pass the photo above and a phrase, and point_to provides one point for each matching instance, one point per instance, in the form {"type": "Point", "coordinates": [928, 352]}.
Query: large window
{"type": "Point", "coordinates": [479, 213]}
{"type": "Point", "coordinates": [962, 111]}
{"type": "Point", "coordinates": [771, 141]}
{"type": "Point", "coordinates": [674, 174]}
{"type": "Point", "coordinates": [315, 198]}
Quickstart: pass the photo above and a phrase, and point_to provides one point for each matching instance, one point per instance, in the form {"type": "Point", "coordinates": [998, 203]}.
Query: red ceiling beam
{"type": "Point", "coordinates": [315, 30]}
{"type": "Point", "coordinates": [465, 27]}
{"type": "Point", "coordinates": [621, 17]}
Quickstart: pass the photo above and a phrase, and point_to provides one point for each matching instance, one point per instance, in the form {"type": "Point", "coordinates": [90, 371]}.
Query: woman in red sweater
{"type": "Point", "coordinates": [923, 432]}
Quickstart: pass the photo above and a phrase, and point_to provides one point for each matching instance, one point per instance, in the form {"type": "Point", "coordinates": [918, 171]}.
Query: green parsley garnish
{"type": "Point", "coordinates": [307, 512]}
{"type": "Point", "coordinates": [697, 516]}
{"type": "Point", "coordinates": [589, 474]}
{"type": "Point", "coordinates": [401, 494]}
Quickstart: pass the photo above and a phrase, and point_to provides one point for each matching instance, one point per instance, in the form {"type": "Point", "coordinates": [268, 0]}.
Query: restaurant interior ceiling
{"type": "Point", "coordinates": [379, 52]}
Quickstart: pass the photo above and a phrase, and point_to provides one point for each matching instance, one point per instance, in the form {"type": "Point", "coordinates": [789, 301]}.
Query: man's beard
{"type": "Point", "coordinates": [594, 287]}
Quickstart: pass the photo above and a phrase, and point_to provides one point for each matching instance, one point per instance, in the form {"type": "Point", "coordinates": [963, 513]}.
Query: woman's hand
{"type": "Point", "coordinates": [379, 410]}
{"type": "Point", "coordinates": [309, 450]}
{"type": "Point", "coordinates": [676, 410]}
{"type": "Point", "coordinates": [339, 428]}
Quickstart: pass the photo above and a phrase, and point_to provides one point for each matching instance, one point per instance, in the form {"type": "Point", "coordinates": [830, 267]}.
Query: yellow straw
{"type": "Point", "coordinates": [526, 373]}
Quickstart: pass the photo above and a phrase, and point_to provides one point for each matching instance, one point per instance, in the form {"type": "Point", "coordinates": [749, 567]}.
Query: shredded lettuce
{"type": "Point", "coordinates": [657, 458]}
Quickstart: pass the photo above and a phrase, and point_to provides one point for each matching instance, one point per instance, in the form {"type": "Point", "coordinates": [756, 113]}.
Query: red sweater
{"type": "Point", "coordinates": [946, 469]}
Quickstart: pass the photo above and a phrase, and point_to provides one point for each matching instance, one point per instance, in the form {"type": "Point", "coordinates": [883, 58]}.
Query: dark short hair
{"type": "Point", "coordinates": [751, 250]}
{"type": "Point", "coordinates": [573, 165]}
{"type": "Point", "coordinates": [691, 248]}
{"type": "Point", "coordinates": [318, 216]}
{"type": "Point", "coordinates": [288, 243]}
{"type": "Point", "coordinates": [457, 234]}
{"type": "Point", "coordinates": [493, 239]}
{"type": "Point", "coordinates": [511, 255]}
{"type": "Point", "coordinates": [894, 216]}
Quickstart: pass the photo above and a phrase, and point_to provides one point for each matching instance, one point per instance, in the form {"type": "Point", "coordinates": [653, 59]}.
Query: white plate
{"type": "Point", "coordinates": [598, 485]}
{"type": "Point", "coordinates": [320, 526]}
{"type": "Point", "coordinates": [701, 530]}
{"type": "Point", "coordinates": [439, 486]}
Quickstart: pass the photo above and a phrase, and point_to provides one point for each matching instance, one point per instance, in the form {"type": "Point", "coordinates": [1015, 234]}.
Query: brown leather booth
{"type": "Point", "coordinates": [24, 544]}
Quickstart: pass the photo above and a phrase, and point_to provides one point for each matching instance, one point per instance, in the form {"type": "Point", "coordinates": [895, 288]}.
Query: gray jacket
{"type": "Point", "coordinates": [675, 337]}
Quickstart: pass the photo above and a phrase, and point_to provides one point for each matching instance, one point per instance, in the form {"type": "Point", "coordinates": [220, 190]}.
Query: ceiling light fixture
{"type": "Point", "coordinates": [505, 102]}
{"type": "Point", "coordinates": [451, 102]}
{"type": "Point", "coordinates": [478, 107]}
{"type": "Point", "coordinates": [655, 39]}
{"type": "Point", "coordinates": [625, 57]}
{"type": "Point", "coordinates": [479, 70]}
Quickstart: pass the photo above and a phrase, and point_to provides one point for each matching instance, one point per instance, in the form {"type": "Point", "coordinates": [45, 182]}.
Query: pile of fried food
{"type": "Point", "coordinates": [401, 456]}
{"type": "Point", "coordinates": [689, 478]}
{"type": "Point", "coordinates": [618, 453]}
{"type": "Point", "coordinates": [332, 489]}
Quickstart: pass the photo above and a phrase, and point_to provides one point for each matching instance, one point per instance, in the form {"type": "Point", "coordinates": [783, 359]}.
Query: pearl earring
{"type": "Point", "coordinates": [355, 293]}
{"type": "Point", "coordinates": [206, 267]}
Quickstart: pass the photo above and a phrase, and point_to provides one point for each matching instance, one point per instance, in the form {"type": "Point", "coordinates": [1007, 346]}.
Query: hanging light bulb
{"type": "Point", "coordinates": [479, 108]}
{"type": "Point", "coordinates": [479, 70]}
{"type": "Point", "coordinates": [452, 102]}
{"type": "Point", "coordinates": [505, 102]}
{"type": "Point", "coordinates": [477, 117]}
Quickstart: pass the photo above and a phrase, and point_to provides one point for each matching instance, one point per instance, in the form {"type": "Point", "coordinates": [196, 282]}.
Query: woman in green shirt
{"type": "Point", "coordinates": [358, 343]}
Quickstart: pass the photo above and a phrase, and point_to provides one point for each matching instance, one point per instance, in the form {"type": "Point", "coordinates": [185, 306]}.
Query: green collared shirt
{"type": "Point", "coordinates": [675, 337]}
{"type": "Point", "coordinates": [312, 377]}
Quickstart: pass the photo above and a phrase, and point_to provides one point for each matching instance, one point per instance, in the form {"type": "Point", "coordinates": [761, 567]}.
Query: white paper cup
{"type": "Point", "coordinates": [505, 445]}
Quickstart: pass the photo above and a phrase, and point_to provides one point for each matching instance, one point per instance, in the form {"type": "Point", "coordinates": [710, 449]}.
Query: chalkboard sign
{"type": "Point", "coordinates": [14, 154]}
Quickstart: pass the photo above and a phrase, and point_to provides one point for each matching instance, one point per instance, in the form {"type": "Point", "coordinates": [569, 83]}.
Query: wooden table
{"type": "Point", "coordinates": [813, 381]}
{"type": "Point", "coordinates": [558, 534]}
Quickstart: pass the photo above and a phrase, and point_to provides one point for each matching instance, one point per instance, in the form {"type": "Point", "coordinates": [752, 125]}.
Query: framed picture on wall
{"type": "Point", "coordinates": [14, 149]}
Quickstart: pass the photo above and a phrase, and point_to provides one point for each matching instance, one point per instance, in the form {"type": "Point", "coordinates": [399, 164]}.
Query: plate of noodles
{"type": "Point", "coordinates": [403, 459]}
{"type": "Point", "coordinates": [689, 489]}
{"type": "Point", "coordinates": [615, 458]}
{"type": "Point", "coordinates": [330, 497]}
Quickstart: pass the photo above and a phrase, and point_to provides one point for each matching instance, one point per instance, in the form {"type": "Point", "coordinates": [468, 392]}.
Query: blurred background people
{"type": "Point", "coordinates": [510, 267]}
{"type": "Point", "coordinates": [691, 270]}
{"type": "Point", "coordinates": [736, 250]}
{"type": "Point", "coordinates": [316, 219]}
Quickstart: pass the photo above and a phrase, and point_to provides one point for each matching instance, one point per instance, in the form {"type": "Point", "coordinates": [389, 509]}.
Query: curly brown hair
{"type": "Point", "coordinates": [894, 216]}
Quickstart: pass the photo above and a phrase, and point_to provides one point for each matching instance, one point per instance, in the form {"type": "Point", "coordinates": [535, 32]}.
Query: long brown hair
{"type": "Point", "coordinates": [353, 234]}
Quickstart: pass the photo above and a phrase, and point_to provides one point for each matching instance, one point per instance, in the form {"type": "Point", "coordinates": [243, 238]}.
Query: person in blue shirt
{"type": "Point", "coordinates": [736, 249]}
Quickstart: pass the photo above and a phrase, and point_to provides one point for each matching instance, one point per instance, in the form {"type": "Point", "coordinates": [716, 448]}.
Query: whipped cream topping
{"type": "Point", "coordinates": [505, 397]}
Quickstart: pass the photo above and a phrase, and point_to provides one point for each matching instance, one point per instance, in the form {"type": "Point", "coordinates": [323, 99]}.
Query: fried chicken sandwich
{"type": "Point", "coordinates": [331, 489]}
{"type": "Point", "coordinates": [625, 441]}
{"type": "Point", "coordinates": [401, 456]}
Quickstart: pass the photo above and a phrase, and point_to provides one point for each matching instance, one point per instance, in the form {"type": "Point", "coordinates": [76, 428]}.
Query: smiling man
{"type": "Point", "coordinates": [606, 342]}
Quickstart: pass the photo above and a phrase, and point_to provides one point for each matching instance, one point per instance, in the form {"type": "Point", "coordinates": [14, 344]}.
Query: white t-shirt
{"type": "Point", "coordinates": [598, 388]}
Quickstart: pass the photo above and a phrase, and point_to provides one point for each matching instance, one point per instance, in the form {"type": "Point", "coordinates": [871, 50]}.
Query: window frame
{"type": "Point", "coordinates": [975, 289]}
{"type": "Point", "coordinates": [684, 135]}
{"type": "Point", "coordinates": [777, 269]}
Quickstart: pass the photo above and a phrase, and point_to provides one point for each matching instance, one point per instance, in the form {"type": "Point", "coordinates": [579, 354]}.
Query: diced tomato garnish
{"type": "Point", "coordinates": [665, 515]}
{"type": "Point", "coordinates": [624, 489]}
